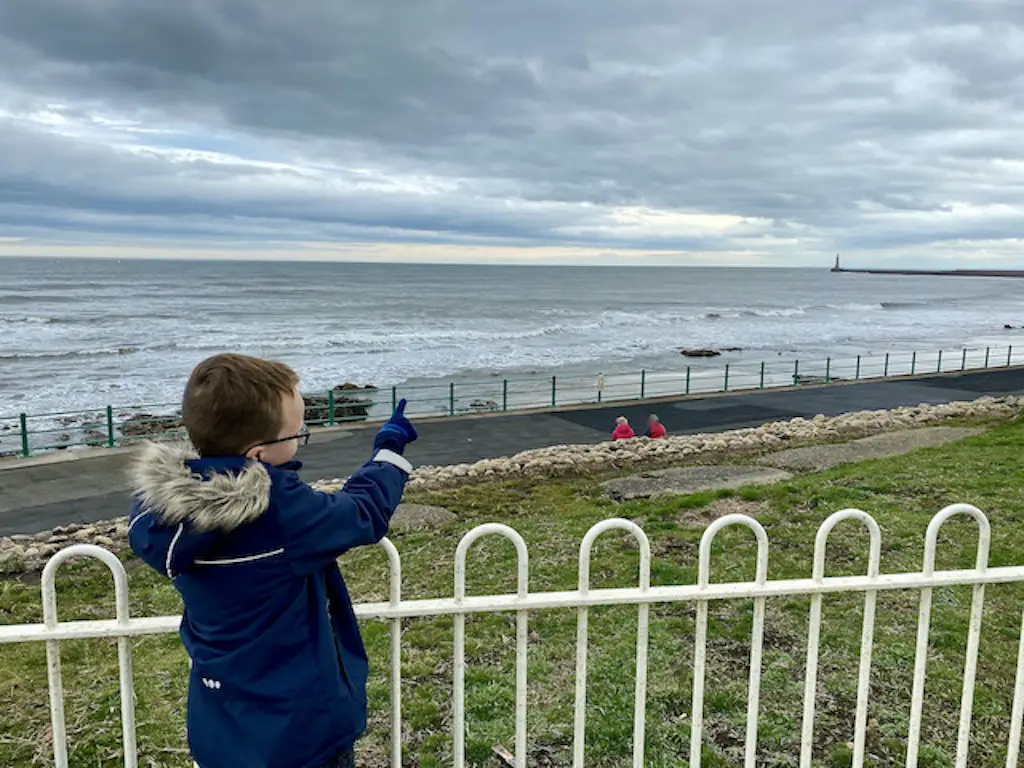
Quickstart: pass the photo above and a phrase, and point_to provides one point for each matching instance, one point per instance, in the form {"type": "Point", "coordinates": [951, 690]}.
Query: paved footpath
{"type": "Point", "coordinates": [68, 487]}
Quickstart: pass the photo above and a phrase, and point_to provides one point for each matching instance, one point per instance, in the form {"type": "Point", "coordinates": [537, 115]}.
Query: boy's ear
{"type": "Point", "coordinates": [255, 453]}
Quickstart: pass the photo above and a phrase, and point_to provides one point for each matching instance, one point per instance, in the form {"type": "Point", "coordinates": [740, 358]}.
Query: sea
{"type": "Point", "coordinates": [78, 334]}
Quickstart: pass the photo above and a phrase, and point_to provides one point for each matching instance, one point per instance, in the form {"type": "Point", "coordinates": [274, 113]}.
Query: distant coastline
{"type": "Point", "coordinates": [932, 273]}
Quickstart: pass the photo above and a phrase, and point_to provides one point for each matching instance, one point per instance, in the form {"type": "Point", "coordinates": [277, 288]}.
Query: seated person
{"type": "Point", "coordinates": [655, 428]}
{"type": "Point", "coordinates": [622, 429]}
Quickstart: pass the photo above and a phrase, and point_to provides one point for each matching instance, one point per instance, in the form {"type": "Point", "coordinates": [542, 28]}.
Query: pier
{"type": "Point", "coordinates": [932, 273]}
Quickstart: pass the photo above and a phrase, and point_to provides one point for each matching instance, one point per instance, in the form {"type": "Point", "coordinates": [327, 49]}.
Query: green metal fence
{"type": "Point", "coordinates": [25, 434]}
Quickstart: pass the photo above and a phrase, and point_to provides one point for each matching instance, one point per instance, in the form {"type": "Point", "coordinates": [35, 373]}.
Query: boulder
{"type": "Point", "coordinates": [810, 379]}
{"type": "Point", "coordinates": [148, 424]}
{"type": "Point", "coordinates": [351, 403]}
{"type": "Point", "coordinates": [10, 561]}
{"type": "Point", "coordinates": [93, 437]}
{"type": "Point", "coordinates": [419, 517]}
{"type": "Point", "coordinates": [699, 352]}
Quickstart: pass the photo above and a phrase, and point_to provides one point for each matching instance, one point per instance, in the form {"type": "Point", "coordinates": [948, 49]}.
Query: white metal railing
{"type": "Point", "coordinates": [122, 627]}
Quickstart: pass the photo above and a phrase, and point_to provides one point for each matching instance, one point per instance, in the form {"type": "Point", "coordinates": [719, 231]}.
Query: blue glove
{"type": "Point", "coordinates": [396, 433]}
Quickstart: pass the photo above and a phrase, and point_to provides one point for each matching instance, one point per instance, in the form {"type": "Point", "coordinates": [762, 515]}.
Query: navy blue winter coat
{"type": "Point", "coordinates": [279, 671]}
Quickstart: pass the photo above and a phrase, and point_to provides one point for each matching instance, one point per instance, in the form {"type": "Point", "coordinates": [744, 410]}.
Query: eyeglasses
{"type": "Point", "coordinates": [302, 438]}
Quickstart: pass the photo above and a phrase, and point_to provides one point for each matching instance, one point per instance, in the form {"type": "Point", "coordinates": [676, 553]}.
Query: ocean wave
{"type": "Point", "coordinates": [781, 312]}
{"type": "Point", "coordinates": [72, 355]}
{"type": "Point", "coordinates": [854, 306]}
{"type": "Point", "coordinates": [34, 298]}
{"type": "Point", "coordinates": [906, 304]}
{"type": "Point", "coordinates": [26, 320]}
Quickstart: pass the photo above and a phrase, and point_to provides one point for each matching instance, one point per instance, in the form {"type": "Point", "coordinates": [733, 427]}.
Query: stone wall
{"type": "Point", "coordinates": [20, 553]}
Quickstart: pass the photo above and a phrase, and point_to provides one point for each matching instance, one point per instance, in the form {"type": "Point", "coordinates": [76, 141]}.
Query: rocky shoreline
{"type": "Point", "coordinates": [24, 553]}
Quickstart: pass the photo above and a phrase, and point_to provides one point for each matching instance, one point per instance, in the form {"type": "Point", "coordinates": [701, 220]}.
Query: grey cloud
{"type": "Point", "coordinates": [793, 111]}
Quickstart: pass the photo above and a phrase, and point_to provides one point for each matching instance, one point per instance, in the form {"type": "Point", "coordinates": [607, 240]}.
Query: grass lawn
{"type": "Point", "coordinates": [902, 494]}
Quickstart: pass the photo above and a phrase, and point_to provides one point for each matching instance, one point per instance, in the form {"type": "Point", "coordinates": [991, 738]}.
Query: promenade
{"type": "Point", "coordinates": [81, 487]}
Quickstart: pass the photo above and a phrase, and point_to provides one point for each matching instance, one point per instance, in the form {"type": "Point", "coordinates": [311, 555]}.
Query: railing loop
{"type": "Point", "coordinates": [582, 640]}
{"type": "Point", "coordinates": [756, 639]}
{"type": "Point", "coordinates": [814, 635]}
{"type": "Point", "coordinates": [973, 633]}
{"type": "Point", "coordinates": [522, 590]}
{"type": "Point", "coordinates": [704, 563]}
{"type": "Point", "coordinates": [124, 651]}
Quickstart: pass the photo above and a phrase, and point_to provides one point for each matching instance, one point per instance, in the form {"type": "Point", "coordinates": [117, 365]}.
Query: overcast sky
{"type": "Point", "coordinates": [754, 132]}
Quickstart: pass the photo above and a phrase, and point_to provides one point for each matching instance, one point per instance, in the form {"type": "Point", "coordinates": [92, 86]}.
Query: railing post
{"type": "Point", "coordinates": [987, 350]}
{"type": "Point", "coordinates": [938, 368]}
{"type": "Point", "coordinates": [110, 427]}
{"type": "Point", "coordinates": [643, 383]}
{"type": "Point", "coordinates": [913, 362]}
{"type": "Point", "coordinates": [1009, 356]}
{"type": "Point", "coordinates": [828, 370]}
{"type": "Point", "coordinates": [451, 398]}
{"type": "Point", "coordinates": [963, 360]}
{"type": "Point", "coordinates": [394, 397]}
{"type": "Point", "coordinates": [554, 387]}
{"type": "Point", "coordinates": [687, 380]}
{"type": "Point", "coordinates": [885, 373]}
{"type": "Point", "coordinates": [726, 378]}
{"type": "Point", "coordinates": [25, 450]}
{"type": "Point", "coordinates": [796, 372]}
{"type": "Point", "coordinates": [330, 407]}
{"type": "Point", "coordinates": [856, 376]}
{"type": "Point", "coordinates": [761, 385]}
{"type": "Point", "coordinates": [504, 394]}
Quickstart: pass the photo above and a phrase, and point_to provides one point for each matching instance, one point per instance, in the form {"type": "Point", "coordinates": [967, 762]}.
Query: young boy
{"type": "Point", "coordinates": [279, 671]}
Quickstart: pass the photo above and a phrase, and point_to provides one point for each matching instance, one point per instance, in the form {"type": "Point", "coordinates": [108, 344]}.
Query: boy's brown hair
{"type": "Point", "coordinates": [233, 402]}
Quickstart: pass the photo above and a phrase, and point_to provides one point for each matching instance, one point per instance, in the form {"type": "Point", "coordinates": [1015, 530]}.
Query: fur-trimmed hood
{"type": "Point", "coordinates": [176, 486]}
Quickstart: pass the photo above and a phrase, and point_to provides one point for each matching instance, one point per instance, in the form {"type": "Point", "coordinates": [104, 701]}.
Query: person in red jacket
{"type": "Point", "coordinates": [622, 429]}
{"type": "Point", "coordinates": [655, 428]}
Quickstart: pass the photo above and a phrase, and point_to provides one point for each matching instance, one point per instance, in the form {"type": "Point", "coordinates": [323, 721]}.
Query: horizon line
{"type": "Point", "coordinates": [403, 262]}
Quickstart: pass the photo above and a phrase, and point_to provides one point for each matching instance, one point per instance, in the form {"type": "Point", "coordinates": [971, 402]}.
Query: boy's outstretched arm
{"type": "Point", "coordinates": [320, 526]}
